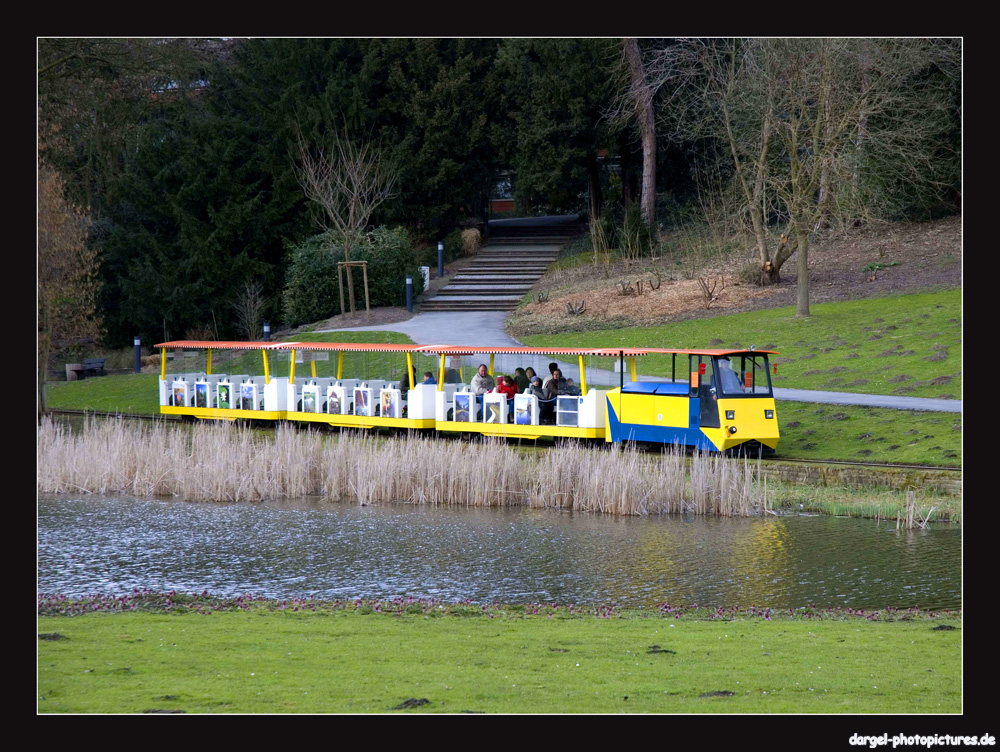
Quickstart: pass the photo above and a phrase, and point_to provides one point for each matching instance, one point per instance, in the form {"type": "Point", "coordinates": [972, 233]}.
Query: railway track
{"type": "Point", "coordinates": [766, 460]}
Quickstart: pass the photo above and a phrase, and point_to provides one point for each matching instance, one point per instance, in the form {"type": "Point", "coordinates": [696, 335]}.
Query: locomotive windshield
{"type": "Point", "coordinates": [743, 376]}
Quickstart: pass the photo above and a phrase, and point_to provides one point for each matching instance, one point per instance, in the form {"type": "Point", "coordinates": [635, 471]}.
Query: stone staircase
{"type": "Point", "coordinates": [505, 269]}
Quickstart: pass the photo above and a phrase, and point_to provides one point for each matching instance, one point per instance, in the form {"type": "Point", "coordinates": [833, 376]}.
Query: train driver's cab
{"type": "Point", "coordinates": [742, 375]}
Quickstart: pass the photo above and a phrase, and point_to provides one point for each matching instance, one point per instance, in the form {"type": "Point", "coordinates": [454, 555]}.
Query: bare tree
{"type": "Point", "coordinates": [249, 305]}
{"type": "Point", "coordinates": [641, 92]}
{"type": "Point", "coordinates": [349, 181]}
{"type": "Point", "coordinates": [67, 276]}
{"type": "Point", "coordinates": [806, 122]}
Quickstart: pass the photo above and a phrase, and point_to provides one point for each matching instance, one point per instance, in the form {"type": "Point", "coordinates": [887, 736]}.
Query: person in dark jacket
{"type": "Point", "coordinates": [556, 385]}
{"type": "Point", "coordinates": [521, 379]}
{"type": "Point", "coordinates": [553, 367]}
{"type": "Point", "coordinates": [536, 388]}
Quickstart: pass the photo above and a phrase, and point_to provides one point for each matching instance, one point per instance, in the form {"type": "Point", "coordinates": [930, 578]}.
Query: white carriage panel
{"type": "Point", "coordinates": [592, 409]}
{"type": "Point", "coordinates": [494, 408]}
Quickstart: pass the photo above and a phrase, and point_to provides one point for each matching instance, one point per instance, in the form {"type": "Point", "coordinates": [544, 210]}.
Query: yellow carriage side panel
{"type": "Point", "coordinates": [654, 410]}
{"type": "Point", "coordinates": [671, 411]}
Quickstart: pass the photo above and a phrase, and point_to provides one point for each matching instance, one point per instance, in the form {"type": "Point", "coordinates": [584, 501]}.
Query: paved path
{"type": "Point", "coordinates": [486, 328]}
{"type": "Point", "coordinates": [870, 400]}
{"type": "Point", "coordinates": [444, 328]}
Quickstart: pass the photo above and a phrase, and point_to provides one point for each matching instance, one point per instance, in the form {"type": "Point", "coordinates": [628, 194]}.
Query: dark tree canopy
{"type": "Point", "coordinates": [183, 151]}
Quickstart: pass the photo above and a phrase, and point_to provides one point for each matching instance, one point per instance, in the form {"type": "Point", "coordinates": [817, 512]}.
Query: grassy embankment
{"type": "Point", "coordinates": [908, 345]}
{"type": "Point", "coordinates": [468, 658]}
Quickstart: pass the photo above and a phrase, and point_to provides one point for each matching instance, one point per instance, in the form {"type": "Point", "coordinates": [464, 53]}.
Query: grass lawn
{"type": "Point", "coordinates": [869, 434]}
{"type": "Point", "coordinates": [136, 393]}
{"type": "Point", "coordinates": [346, 661]}
{"type": "Point", "coordinates": [906, 344]}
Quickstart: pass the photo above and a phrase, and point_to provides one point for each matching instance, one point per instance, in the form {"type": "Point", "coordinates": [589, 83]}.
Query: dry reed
{"type": "Point", "coordinates": [230, 463]}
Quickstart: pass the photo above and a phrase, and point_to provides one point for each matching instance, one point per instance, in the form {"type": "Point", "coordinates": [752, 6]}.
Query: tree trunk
{"type": "Point", "coordinates": [784, 251]}
{"type": "Point", "coordinates": [44, 346]}
{"type": "Point", "coordinates": [350, 291]}
{"type": "Point", "coordinates": [802, 301]}
{"type": "Point", "coordinates": [350, 279]}
{"type": "Point", "coordinates": [596, 199]}
{"type": "Point", "coordinates": [647, 128]}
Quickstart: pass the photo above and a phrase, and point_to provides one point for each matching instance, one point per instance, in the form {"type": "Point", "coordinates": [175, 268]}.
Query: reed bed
{"type": "Point", "coordinates": [215, 462]}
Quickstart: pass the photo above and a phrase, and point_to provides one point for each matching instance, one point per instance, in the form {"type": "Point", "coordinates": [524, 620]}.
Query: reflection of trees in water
{"type": "Point", "coordinates": [684, 559]}
{"type": "Point", "coordinates": [513, 555]}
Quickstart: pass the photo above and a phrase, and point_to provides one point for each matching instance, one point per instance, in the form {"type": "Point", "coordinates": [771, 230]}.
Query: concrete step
{"type": "Point", "coordinates": [518, 253]}
{"type": "Point", "coordinates": [458, 308]}
{"type": "Point", "coordinates": [510, 264]}
{"type": "Point", "coordinates": [521, 287]}
{"type": "Point", "coordinates": [538, 258]}
{"type": "Point", "coordinates": [473, 300]}
{"type": "Point", "coordinates": [529, 239]}
{"type": "Point", "coordinates": [485, 292]}
{"type": "Point", "coordinates": [473, 279]}
{"type": "Point", "coordinates": [524, 271]}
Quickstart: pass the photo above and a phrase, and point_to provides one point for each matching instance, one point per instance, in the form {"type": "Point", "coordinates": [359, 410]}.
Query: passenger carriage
{"type": "Point", "coordinates": [239, 384]}
{"type": "Point", "coordinates": [360, 396]}
{"type": "Point", "coordinates": [458, 409]}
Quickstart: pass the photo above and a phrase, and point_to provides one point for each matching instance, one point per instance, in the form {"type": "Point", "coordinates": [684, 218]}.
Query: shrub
{"type": "Point", "coordinates": [751, 274]}
{"type": "Point", "coordinates": [471, 241]}
{"type": "Point", "coordinates": [635, 239]}
{"type": "Point", "coordinates": [312, 291]}
{"type": "Point", "coordinates": [452, 246]}
{"type": "Point", "coordinates": [390, 258]}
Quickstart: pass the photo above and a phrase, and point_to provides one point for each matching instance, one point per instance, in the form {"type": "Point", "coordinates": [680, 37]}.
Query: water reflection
{"type": "Point", "coordinates": [312, 547]}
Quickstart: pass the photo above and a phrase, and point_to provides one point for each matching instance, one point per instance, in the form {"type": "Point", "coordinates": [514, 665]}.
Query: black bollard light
{"type": "Point", "coordinates": [138, 356]}
{"type": "Point", "coordinates": [267, 331]}
{"type": "Point", "coordinates": [409, 293]}
{"type": "Point", "coordinates": [440, 259]}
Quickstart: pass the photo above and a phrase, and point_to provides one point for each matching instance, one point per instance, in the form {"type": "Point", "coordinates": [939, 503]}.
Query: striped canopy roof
{"type": "Point", "coordinates": [607, 352]}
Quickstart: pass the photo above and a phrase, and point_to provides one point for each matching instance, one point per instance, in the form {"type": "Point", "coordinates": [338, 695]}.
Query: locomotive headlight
{"type": "Point", "coordinates": [730, 415]}
{"type": "Point", "coordinates": [769, 414]}
{"type": "Point", "coordinates": [732, 430]}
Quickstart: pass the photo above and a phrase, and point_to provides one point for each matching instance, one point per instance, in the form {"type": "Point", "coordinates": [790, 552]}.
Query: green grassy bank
{"type": "Point", "coordinates": [906, 344]}
{"type": "Point", "coordinates": [818, 431]}
{"type": "Point", "coordinates": [463, 658]}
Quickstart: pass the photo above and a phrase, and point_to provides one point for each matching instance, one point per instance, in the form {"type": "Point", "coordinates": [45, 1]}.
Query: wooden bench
{"type": "Point", "coordinates": [91, 367]}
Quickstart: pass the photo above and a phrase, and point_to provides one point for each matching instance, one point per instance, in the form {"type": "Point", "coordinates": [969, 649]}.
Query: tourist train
{"type": "Point", "coordinates": [715, 400]}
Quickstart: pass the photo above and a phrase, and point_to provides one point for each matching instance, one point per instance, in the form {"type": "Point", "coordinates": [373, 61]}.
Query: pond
{"type": "Point", "coordinates": [310, 547]}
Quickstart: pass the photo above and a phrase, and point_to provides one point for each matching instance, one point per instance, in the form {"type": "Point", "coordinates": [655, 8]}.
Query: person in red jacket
{"type": "Point", "coordinates": [507, 387]}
